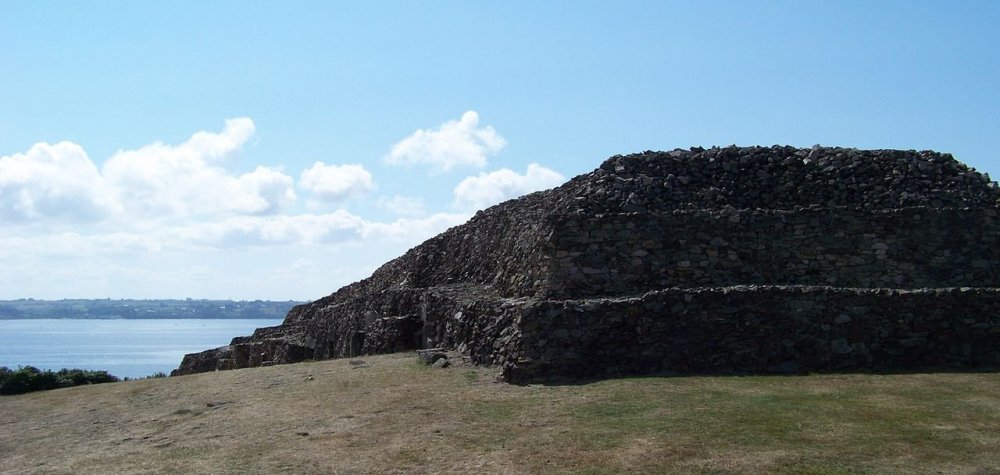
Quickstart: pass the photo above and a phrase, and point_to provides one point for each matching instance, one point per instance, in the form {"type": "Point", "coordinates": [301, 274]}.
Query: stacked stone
{"type": "Point", "coordinates": [784, 178]}
{"type": "Point", "coordinates": [619, 254]}
{"type": "Point", "coordinates": [702, 260]}
{"type": "Point", "coordinates": [753, 329]}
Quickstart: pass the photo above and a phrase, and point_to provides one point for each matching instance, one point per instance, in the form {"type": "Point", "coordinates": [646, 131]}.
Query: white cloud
{"type": "Point", "coordinates": [211, 146]}
{"type": "Point", "coordinates": [250, 231]}
{"type": "Point", "coordinates": [271, 189]}
{"type": "Point", "coordinates": [413, 230]}
{"type": "Point", "coordinates": [163, 181]}
{"type": "Point", "coordinates": [309, 229]}
{"type": "Point", "coordinates": [148, 218]}
{"type": "Point", "coordinates": [238, 233]}
{"type": "Point", "coordinates": [403, 205]}
{"type": "Point", "coordinates": [52, 182]}
{"type": "Point", "coordinates": [60, 182]}
{"type": "Point", "coordinates": [453, 144]}
{"type": "Point", "coordinates": [337, 182]}
{"type": "Point", "coordinates": [167, 198]}
{"type": "Point", "coordinates": [487, 189]}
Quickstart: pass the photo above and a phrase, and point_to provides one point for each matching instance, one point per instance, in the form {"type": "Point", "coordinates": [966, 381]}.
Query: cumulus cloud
{"type": "Point", "coordinates": [453, 144]}
{"type": "Point", "coordinates": [413, 230]}
{"type": "Point", "coordinates": [52, 182]}
{"type": "Point", "coordinates": [161, 180]}
{"type": "Point", "coordinates": [487, 189]}
{"type": "Point", "coordinates": [402, 205]}
{"type": "Point", "coordinates": [180, 204]}
{"type": "Point", "coordinates": [164, 197]}
{"type": "Point", "coordinates": [270, 190]}
{"type": "Point", "coordinates": [210, 146]}
{"type": "Point", "coordinates": [339, 226]}
{"type": "Point", "coordinates": [61, 183]}
{"type": "Point", "coordinates": [237, 232]}
{"type": "Point", "coordinates": [337, 182]}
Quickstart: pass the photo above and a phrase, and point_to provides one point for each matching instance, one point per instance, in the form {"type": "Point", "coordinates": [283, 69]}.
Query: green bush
{"type": "Point", "coordinates": [158, 374]}
{"type": "Point", "coordinates": [5, 374]}
{"type": "Point", "coordinates": [29, 378]}
{"type": "Point", "coordinates": [77, 377]}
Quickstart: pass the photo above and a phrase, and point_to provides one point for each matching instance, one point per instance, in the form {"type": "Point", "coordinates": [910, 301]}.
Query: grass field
{"type": "Point", "coordinates": [390, 414]}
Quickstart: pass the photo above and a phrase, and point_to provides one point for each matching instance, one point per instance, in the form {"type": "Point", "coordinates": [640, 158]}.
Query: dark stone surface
{"type": "Point", "coordinates": [441, 363]}
{"type": "Point", "coordinates": [431, 355]}
{"type": "Point", "coordinates": [759, 329]}
{"type": "Point", "coordinates": [722, 260]}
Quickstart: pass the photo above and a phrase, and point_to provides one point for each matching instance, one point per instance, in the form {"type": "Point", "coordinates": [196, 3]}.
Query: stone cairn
{"type": "Point", "coordinates": [719, 261]}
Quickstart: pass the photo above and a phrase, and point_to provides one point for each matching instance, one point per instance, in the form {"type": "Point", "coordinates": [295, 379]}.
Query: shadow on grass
{"type": "Point", "coordinates": [581, 380]}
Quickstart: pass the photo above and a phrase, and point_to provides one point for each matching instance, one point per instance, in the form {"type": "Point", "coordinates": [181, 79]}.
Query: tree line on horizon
{"type": "Point", "coordinates": [144, 309]}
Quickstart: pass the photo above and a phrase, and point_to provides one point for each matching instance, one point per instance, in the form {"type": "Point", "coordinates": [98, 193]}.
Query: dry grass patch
{"type": "Point", "coordinates": [388, 414]}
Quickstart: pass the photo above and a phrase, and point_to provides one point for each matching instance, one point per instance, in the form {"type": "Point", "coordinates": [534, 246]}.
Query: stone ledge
{"type": "Point", "coordinates": [759, 329]}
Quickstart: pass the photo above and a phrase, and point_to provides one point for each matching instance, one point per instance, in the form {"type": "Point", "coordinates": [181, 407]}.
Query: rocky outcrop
{"type": "Point", "coordinates": [702, 260]}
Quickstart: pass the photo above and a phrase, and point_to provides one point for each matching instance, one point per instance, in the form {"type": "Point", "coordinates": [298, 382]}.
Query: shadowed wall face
{"type": "Point", "coordinates": [908, 248]}
{"type": "Point", "coordinates": [770, 329]}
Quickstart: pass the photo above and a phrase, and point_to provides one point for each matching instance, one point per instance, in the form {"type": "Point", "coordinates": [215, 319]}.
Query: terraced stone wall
{"type": "Point", "coordinates": [759, 329]}
{"type": "Point", "coordinates": [628, 254]}
{"type": "Point", "coordinates": [700, 260]}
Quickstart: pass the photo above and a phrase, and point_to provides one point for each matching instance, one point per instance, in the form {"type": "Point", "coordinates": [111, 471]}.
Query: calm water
{"type": "Point", "coordinates": [132, 348]}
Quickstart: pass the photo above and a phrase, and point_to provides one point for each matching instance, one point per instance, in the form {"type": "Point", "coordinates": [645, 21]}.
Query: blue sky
{"type": "Point", "coordinates": [279, 150]}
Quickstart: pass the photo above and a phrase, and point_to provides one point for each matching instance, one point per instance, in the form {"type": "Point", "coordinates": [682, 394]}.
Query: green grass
{"type": "Point", "coordinates": [394, 415]}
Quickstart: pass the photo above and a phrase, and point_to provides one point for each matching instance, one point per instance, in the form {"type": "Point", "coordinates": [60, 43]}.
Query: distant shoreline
{"type": "Point", "coordinates": [137, 318]}
{"type": "Point", "coordinates": [152, 309]}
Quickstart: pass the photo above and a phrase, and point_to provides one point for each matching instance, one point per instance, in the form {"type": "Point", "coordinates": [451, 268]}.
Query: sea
{"type": "Point", "coordinates": [124, 348]}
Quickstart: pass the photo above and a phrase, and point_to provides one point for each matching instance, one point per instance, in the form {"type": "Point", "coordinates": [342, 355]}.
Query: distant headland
{"type": "Point", "coordinates": [143, 309]}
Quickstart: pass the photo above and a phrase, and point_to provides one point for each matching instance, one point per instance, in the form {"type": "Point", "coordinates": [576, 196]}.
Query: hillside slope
{"type": "Point", "coordinates": [388, 414]}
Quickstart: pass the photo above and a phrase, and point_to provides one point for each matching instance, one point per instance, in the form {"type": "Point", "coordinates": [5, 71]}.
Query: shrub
{"type": "Point", "coordinates": [29, 378]}
{"type": "Point", "coordinates": [5, 374]}
{"type": "Point", "coordinates": [77, 377]}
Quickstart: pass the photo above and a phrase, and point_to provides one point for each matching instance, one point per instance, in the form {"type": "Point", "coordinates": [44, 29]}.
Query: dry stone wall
{"type": "Point", "coordinates": [632, 253]}
{"type": "Point", "coordinates": [782, 178]}
{"type": "Point", "coordinates": [469, 318]}
{"type": "Point", "coordinates": [751, 329]}
{"type": "Point", "coordinates": [721, 260]}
